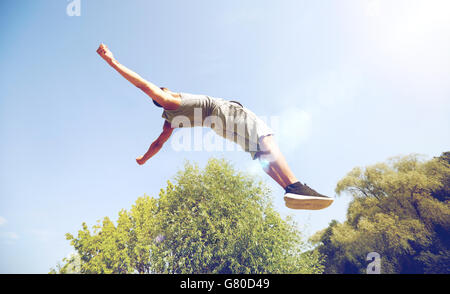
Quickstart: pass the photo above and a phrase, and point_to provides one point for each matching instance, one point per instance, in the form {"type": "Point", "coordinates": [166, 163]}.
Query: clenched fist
{"type": "Point", "coordinates": [105, 53]}
{"type": "Point", "coordinates": [141, 160]}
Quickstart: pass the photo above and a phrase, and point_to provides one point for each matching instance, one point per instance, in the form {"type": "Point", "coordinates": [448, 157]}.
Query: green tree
{"type": "Point", "coordinates": [211, 220]}
{"type": "Point", "coordinates": [401, 210]}
{"type": "Point", "coordinates": [70, 265]}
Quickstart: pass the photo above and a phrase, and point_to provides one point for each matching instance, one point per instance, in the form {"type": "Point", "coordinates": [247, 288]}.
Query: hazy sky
{"type": "Point", "coordinates": [350, 83]}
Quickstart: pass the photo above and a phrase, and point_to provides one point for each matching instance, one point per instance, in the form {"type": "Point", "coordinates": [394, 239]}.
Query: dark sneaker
{"type": "Point", "coordinates": [299, 196]}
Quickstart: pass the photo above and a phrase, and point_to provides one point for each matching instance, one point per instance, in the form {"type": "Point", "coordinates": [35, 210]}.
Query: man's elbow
{"type": "Point", "coordinates": [143, 86]}
{"type": "Point", "coordinates": [146, 88]}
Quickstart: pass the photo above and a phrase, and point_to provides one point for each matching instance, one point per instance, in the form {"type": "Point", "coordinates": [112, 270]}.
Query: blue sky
{"type": "Point", "coordinates": [351, 83]}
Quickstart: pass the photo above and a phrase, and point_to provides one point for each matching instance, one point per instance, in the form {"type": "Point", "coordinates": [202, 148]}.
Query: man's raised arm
{"type": "Point", "coordinates": [149, 88]}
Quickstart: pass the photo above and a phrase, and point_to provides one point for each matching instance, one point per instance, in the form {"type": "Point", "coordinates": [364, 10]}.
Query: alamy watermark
{"type": "Point", "coordinates": [74, 8]}
{"type": "Point", "coordinates": [244, 131]}
{"type": "Point", "coordinates": [374, 267]}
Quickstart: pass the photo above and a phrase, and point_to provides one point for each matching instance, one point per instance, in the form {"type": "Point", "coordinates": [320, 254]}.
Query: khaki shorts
{"type": "Point", "coordinates": [242, 126]}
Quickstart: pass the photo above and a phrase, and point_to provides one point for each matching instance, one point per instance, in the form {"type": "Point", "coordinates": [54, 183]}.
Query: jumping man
{"type": "Point", "coordinates": [228, 119]}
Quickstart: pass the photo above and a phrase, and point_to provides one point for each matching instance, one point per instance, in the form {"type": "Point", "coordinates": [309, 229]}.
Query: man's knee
{"type": "Point", "coordinates": [260, 154]}
{"type": "Point", "coordinates": [269, 149]}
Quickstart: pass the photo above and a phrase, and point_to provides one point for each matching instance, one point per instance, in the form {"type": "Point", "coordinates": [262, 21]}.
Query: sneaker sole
{"type": "Point", "coordinates": [295, 201]}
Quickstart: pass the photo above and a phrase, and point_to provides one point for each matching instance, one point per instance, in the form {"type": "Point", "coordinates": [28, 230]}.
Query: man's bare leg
{"type": "Point", "coordinates": [277, 168]}
{"type": "Point", "coordinates": [298, 195]}
{"type": "Point", "coordinates": [270, 170]}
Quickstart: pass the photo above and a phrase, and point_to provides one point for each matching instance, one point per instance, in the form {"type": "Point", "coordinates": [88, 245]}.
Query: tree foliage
{"type": "Point", "coordinates": [211, 220]}
{"type": "Point", "coordinates": [401, 210]}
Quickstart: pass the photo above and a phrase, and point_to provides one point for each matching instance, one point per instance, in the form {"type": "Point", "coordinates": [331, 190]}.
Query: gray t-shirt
{"type": "Point", "coordinates": [194, 108]}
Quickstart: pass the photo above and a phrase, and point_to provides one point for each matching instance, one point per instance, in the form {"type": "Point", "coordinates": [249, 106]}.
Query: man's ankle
{"type": "Point", "coordinates": [293, 185]}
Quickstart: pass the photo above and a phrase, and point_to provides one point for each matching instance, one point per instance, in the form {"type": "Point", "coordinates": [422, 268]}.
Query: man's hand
{"type": "Point", "coordinates": [141, 160]}
{"type": "Point", "coordinates": [105, 53]}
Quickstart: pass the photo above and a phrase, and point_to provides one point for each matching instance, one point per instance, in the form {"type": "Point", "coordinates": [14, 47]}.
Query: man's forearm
{"type": "Point", "coordinates": [154, 148]}
{"type": "Point", "coordinates": [147, 87]}
{"type": "Point", "coordinates": [128, 74]}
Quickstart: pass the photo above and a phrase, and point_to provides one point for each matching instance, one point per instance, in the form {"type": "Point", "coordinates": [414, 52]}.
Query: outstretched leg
{"type": "Point", "coordinates": [298, 195]}
{"type": "Point", "coordinates": [270, 170]}
{"type": "Point", "coordinates": [274, 163]}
